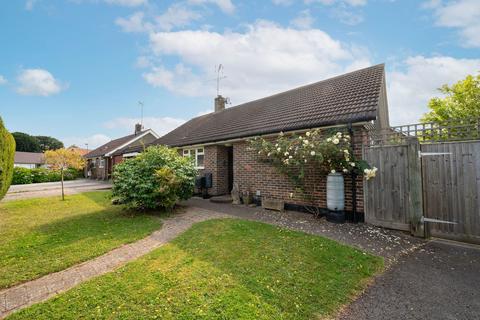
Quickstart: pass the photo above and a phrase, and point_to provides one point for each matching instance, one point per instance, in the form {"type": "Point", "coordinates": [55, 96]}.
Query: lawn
{"type": "Point", "coordinates": [223, 269]}
{"type": "Point", "coordinates": [40, 236]}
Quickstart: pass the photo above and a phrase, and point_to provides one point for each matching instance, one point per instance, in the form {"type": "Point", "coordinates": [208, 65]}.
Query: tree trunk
{"type": "Point", "coordinates": [61, 175]}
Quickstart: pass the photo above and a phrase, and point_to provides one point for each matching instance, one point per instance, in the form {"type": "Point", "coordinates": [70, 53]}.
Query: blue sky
{"type": "Point", "coordinates": [76, 69]}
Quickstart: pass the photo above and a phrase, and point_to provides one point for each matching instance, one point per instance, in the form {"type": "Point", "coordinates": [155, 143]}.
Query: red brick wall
{"type": "Point", "coordinates": [254, 175]}
{"type": "Point", "coordinates": [117, 159]}
{"type": "Point", "coordinates": [215, 162]}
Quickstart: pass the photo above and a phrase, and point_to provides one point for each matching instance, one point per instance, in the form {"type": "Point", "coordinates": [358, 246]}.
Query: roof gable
{"type": "Point", "coordinates": [352, 97]}
{"type": "Point", "coordinates": [114, 145]}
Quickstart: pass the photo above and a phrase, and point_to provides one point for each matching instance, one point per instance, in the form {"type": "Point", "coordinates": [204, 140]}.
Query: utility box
{"type": "Point", "coordinates": [208, 180]}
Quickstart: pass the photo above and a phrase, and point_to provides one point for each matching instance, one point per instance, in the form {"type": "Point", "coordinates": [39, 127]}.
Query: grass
{"type": "Point", "coordinates": [223, 269]}
{"type": "Point", "coordinates": [44, 235]}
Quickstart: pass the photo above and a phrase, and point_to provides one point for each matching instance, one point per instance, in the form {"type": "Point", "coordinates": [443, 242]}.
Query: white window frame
{"type": "Point", "coordinates": [102, 163]}
{"type": "Point", "coordinates": [200, 151]}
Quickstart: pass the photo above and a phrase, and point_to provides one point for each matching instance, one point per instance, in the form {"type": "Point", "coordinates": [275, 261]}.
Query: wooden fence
{"type": "Point", "coordinates": [430, 188]}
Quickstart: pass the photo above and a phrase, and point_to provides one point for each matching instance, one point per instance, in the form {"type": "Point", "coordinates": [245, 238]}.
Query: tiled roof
{"type": "Point", "coordinates": [29, 157]}
{"type": "Point", "coordinates": [352, 97]}
{"type": "Point", "coordinates": [112, 145]}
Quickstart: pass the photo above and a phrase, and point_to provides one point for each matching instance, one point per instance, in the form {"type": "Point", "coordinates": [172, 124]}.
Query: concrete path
{"type": "Point", "coordinates": [35, 291]}
{"type": "Point", "coordinates": [49, 189]}
{"type": "Point", "coordinates": [439, 281]}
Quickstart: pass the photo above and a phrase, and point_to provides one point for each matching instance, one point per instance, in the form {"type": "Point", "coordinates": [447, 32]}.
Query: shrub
{"type": "Point", "coordinates": [39, 175]}
{"type": "Point", "coordinates": [7, 154]}
{"type": "Point", "coordinates": [157, 178]}
{"type": "Point", "coordinates": [22, 176]}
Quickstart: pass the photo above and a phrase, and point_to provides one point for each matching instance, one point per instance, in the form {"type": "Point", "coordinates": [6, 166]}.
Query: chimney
{"type": "Point", "coordinates": [138, 128]}
{"type": "Point", "coordinates": [219, 103]}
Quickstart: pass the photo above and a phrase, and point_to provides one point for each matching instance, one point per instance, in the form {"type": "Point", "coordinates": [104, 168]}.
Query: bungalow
{"type": "Point", "coordinates": [29, 160]}
{"type": "Point", "coordinates": [100, 161]}
{"type": "Point", "coordinates": [217, 141]}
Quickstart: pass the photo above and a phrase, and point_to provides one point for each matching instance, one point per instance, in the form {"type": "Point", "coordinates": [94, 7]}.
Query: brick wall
{"type": "Point", "coordinates": [215, 162]}
{"type": "Point", "coordinates": [254, 175]}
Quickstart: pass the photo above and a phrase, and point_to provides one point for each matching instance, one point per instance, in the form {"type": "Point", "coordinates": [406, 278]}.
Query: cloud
{"type": "Point", "coordinates": [134, 23]}
{"type": "Point", "coordinates": [161, 125]}
{"type": "Point", "coordinates": [3, 80]}
{"type": "Point", "coordinates": [38, 82]}
{"type": "Point", "coordinates": [461, 14]}
{"type": "Point", "coordinates": [353, 3]}
{"type": "Point", "coordinates": [225, 5]}
{"type": "Point", "coordinates": [303, 20]}
{"type": "Point", "coordinates": [29, 4]}
{"type": "Point", "coordinates": [177, 15]}
{"type": "Point", "coordinates": [282, 2]}
{"type": "Point", "coordinates": [127, 3]}
{"type": "Point", "coordinates": [410, 90]}
{"type": "Point", "coordinates": [264, 59]}
{"type": "Point", "coordinates": [94, 141]}
{"type": "Point", "coordinates": [347, 16]}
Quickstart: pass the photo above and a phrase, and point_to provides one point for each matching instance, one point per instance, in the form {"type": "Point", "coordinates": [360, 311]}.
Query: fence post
{"type": "Point", "coordinates": [415, 194]}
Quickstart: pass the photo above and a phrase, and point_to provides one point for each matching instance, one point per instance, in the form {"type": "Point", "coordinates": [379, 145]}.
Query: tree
{"type": "Point", "coordinates": [49, 143]}
{"type": "Point", "coordinates": [26, 142]}
{"type": "Point", "coordinates": [461, 102]}
{"type": "Point", "coordinates": [7, 154]}
{"type": "Point", "coordinates": [61, 160]}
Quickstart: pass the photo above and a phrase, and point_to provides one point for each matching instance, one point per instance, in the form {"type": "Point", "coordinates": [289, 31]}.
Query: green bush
{"type": "Point", "coordinates": [38, 175]}
{"type": "Point", "coordinates": [157, 178]}
{"type": "Point", "coordinates": [7, 154]}
{"type": "Point", "coordinates": [22, 176]}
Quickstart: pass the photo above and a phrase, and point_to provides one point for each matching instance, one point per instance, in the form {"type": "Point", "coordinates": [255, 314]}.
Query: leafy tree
{"type": "Point", "coordinates": [7, 154]}
{"type": "Point", "coordinates": [26, 142]}
{"type": "Point", "coordinates": [157, 178]}
{"type": "Point", "coordinates": [461, 102]}
{"type": "Point", "coordinates": [49, 143]}
{"type": "Point", "coordinates": [62, 159]}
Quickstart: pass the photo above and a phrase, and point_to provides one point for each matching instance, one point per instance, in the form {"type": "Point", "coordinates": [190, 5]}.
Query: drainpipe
{"type": "Point", "coordinates": [353, 176]}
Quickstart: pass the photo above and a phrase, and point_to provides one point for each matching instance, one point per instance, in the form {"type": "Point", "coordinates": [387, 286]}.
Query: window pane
{"type": "Point", "coordinates": [200, 150]}
{"type": "Point", "coordinates": [185, 152]}
{"type": "Point", "coordinates": [200, 159]}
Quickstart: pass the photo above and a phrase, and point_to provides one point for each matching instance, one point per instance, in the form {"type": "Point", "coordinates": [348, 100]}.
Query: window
{"type": "Point", "coordinates": [94, 163]}
{"type": "Point", "coordinates": [198, 155]}
{"type": "Point", "coordinates": [102, 163]}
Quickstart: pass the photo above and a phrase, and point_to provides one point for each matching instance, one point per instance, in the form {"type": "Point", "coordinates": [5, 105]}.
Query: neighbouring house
{"type": "Point", "coordinates": [100, 162]}
{"type": "Point", "coordinates": [29, 160]}
{"type": "Point", "coordinates": [217, 141]}
{"type": "Point", "coordinates": [78, 150]}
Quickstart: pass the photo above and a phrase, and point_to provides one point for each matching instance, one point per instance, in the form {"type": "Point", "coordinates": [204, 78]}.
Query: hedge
{"type": "Point", "coordinates": [7, 155]}
{"type": "Point", "coordinates": [38, 175]}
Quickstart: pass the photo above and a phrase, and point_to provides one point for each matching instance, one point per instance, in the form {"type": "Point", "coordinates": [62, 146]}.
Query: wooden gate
{"type": "Point", "coordinates": [451, 189]}
{"type": "Point", "coordinates": [386, 196]}
{"type": "Point", "coordinates": [426, 183]}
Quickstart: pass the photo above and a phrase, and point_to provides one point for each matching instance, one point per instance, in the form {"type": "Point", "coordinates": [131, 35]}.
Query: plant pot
{"type": "Point", "coordinates": [335, 192]}
{"type": "Point", "coordinates": [247, 199]}
{"type": "Point", "coordinates": [336, 216]}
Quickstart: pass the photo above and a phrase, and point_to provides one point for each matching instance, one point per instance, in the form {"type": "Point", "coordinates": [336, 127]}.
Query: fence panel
{"type": "Point", "coordinates": [387, 196]}
{"type": "Point", "coordinates": [451, 184]}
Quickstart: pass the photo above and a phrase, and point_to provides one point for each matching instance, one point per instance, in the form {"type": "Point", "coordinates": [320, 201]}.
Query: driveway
{"type": "Point", "coordinates": [439, 281]}
{"type": "Point", "coordinates": [48, 189]}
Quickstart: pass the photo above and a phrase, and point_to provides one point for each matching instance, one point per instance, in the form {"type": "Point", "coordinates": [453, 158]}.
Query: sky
{"type": "Point", "coordinates": [77, 69]}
